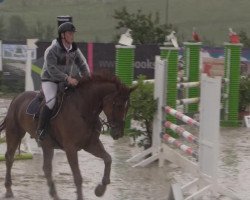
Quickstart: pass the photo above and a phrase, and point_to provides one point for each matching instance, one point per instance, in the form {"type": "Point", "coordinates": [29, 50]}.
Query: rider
{"type": "Point", "coordinates": [63, 62]}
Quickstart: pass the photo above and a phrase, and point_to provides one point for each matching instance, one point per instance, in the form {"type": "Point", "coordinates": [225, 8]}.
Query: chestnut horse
{"type": "Point", "coordinates": [76, 127]}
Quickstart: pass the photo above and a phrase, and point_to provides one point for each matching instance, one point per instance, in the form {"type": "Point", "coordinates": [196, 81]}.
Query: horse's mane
{"type": "Point", "coordinates": [103, 77]}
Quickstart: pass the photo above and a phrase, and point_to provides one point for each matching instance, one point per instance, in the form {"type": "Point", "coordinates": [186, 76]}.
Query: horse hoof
{"type": "Point", "coordinates": [9, 194]}
{"type": "Point", "coordinates": [99, 190]}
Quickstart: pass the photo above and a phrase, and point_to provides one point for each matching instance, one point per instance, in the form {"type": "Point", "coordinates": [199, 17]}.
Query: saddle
{"type": "Point", "coordinates": [37, 103]}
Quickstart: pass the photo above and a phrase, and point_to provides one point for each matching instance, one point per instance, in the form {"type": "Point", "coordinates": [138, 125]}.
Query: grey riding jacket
{"type": "Point", "coordinates": [60, 63]}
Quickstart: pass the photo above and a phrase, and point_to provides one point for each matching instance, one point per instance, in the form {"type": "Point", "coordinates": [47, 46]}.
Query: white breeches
{"type": "Point", "coordinates": [50, 90]}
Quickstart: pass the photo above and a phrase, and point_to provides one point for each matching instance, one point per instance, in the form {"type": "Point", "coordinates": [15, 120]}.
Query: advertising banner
{"type": "Point", "coordinates": [16, 52]}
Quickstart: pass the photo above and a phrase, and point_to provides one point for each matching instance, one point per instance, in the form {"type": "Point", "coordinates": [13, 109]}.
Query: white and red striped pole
{"type": "Point", "coordinates": [181, 131]}
{"type": "Point", "coordinates": [181, 116]}
{"type": "Point", "coordinates": [188, 150]}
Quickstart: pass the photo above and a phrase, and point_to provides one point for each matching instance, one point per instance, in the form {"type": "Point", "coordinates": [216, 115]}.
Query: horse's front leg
{"type": "Point", "coordinates": [48, 153]}
{"type": "Point", "coordinates": [97, 149]}
{"type": "Point", "coordinates": [73, 162]}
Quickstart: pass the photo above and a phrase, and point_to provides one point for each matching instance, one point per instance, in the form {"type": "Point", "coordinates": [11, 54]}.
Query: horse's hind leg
{"type": "Point", "coordinates": [13, 139]}
{"type": "Point", "coordinates": [48, 153]}
{"type": "Point", "coordinates": [98, 150]}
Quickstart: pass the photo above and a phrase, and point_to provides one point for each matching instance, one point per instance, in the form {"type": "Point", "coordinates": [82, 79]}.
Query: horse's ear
{"type": "Point", "coordinates": [131, 89]}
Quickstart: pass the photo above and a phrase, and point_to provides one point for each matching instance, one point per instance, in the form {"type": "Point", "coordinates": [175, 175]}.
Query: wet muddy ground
{"type": "Point", "coordinates": [128, 183]}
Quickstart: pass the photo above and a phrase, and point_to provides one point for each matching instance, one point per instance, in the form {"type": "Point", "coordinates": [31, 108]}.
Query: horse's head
{"type": "Point", "coordinates": [115, 107]}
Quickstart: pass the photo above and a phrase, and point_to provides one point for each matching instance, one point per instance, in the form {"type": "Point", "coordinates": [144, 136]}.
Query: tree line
{"type": "Point", "coordinates": [146, 29]}
{"type": "Point", "coordinates": [17, 30]}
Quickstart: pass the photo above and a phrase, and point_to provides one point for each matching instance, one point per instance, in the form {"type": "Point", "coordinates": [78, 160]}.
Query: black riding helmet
{"type": "Point", "coordinates": [67, 26]}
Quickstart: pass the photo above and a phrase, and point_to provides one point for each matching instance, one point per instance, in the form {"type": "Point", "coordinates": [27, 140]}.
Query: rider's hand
{"type": "Point", "coordinates": [72, 81]}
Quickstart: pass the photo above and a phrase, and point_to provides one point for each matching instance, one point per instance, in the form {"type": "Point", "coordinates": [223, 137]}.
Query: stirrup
{"type": "Point", "coordinates": [41, 135]}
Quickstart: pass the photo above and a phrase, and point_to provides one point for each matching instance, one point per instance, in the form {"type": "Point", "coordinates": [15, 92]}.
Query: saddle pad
{"type": "Point", "coordinates": [34, 106]}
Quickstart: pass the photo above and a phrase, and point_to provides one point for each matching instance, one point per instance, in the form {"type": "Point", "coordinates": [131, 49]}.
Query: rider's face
{"type": "Point", "coordinates": [69, 37]}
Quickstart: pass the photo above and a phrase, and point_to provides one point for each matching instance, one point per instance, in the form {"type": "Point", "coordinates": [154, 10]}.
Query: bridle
{"type": "Point", "coordinates": [110, 123]}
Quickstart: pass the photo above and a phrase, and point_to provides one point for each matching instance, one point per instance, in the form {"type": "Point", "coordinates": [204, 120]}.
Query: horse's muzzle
{"type": "Point", "coordinates": [116, 132]}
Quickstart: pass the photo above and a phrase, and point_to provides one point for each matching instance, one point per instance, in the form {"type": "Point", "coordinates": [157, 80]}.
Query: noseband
{"type": "Point", "coordinates": [110, 123]}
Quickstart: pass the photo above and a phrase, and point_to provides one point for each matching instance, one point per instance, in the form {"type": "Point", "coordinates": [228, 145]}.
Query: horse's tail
{"type": "Point", "coordinates": [3, 125]}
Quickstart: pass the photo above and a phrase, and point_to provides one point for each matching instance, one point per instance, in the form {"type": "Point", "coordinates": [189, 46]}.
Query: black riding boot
{"type": "Point", "coordinates": [43, 122]}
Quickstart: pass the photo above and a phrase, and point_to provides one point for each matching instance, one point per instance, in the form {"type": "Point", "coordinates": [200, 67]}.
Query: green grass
{"type": "Point", "coordinates": [94, 20]}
